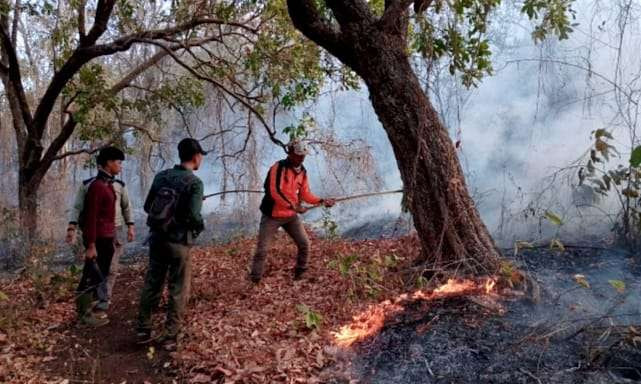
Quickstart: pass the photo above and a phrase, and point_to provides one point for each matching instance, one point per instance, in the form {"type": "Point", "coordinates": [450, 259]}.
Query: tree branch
{"type": "Point", "coordinates": [83, 54]}
{"type": "Point", "coordinates": [307, 19]}
{"type": "Point", "coordinates": [16, 20]}
{"type": "Point", "coordinates": [395, 11]}
{"type": "Point", "coordinates": [13, 70]}
{"type": "Point", "coordinates": [103, 13]}
{"type": "Point", "coordinates": [88, 151]}
{"type": "Point", "coordinates": [351, 12]}
{"type": "Point", "coordinates": [155, 59]}
{"type": "Point", "coordinates": [82, 33]}
{"type": "Point", "coordinates": [141, 128]}
{"type": "Point", "coordinates": [54, 147]}
{"type": "Point", "coordinates": [220, 86]}
{"type": "Point", "coordinates": [78, 58]}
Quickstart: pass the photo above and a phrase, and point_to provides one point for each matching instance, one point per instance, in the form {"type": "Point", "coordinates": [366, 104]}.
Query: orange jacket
{"type": "Point", "coordinates": [285, 188]}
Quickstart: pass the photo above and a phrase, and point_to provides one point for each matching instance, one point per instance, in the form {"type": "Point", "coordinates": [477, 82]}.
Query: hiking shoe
{"type": "Point", "coordinates": [92, 321]}
{"type": "Point", "coordinates": [99, 314]}
{"type": "Point", "coordinates": [143, 337]}
{"type": "Point", "coordinates": [254, 279]}
{"type": "Point", "coordinates": [169, 342]}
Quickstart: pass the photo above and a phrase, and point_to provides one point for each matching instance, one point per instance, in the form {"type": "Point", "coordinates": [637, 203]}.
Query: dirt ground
{"type": "Point", "coordinates": [109, 354]}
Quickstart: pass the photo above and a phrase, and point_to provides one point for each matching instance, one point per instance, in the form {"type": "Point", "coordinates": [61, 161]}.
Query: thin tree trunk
{"type": "Point", "coordinates": [28, 207]}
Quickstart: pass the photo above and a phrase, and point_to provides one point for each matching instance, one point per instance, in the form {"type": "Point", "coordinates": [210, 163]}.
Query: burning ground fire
{"type": "Point", "coordinates": [372, 320]}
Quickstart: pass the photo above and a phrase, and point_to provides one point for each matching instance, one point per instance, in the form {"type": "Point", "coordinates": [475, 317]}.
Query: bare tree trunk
{"type": "Point", "coordinates": [451, 231]}
{"type": "Point", "coordinates": [28, 206]}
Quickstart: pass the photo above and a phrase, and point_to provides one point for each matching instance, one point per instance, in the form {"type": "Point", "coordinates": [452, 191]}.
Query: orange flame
{"type": "Point", "coordinates": [373, 319]}
{"type": "Point", "coordinates": [365, 324]}
{"type": "Point", "coordinates": [489, 285]}
{"type": "Point", "coordinates": [453, 286]}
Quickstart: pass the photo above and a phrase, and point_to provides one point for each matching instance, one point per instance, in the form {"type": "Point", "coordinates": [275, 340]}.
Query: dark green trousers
{"type": "Point", "coordinates": [171, 262]}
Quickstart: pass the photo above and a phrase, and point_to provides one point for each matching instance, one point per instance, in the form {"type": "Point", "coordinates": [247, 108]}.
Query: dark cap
{"type": "Point", "coordinates": [188, 148]}
{"type": "Point", "coordinates": [109, 153]}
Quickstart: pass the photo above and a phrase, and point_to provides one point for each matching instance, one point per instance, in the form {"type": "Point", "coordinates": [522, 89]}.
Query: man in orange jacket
{"type": "Point", "coordinates": [286, 187]}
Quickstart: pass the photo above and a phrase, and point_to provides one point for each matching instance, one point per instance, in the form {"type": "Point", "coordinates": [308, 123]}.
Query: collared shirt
{"type": "Point", "coordinates": [99, 211]}
{"type": "Point", "coordinates": [124, 214]}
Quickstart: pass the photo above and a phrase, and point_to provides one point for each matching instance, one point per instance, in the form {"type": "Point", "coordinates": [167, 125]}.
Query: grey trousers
{"type": "Point", "coordinates": [108, 285]}
{"type": "Point", "coordinates": [268, 229]}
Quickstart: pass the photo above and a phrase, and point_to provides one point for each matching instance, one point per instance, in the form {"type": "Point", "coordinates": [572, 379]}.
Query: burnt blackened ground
{"type": "Point", "coordinates": [557, 340]}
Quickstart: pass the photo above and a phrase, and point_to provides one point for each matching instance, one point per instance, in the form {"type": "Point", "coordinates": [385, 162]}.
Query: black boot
{"type": "Point", "coordinates": [298, 273]}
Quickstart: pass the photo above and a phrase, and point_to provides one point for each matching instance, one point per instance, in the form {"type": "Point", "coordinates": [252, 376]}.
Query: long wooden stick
{"type": "Point", "coordinates": [359, 196]}
{"type": "Point", "coordinates": [338, 199]}
{"type": "Point", "coordinates": [233, 191]}
{"type": "Point", "coordinates": [370, 194]}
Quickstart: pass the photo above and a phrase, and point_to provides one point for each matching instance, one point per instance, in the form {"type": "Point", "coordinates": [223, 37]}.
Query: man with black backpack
{"type": "Point", "coordinates": [173, 206]}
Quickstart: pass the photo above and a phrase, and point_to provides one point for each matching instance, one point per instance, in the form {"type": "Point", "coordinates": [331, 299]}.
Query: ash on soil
{"type": "Point", "coordinates": [568, 337]}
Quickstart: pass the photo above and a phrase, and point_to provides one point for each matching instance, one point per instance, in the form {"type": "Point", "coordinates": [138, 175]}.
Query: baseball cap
{"type": "Point", "coordinates": [297, 147]}
{"type": "Point", "coordinates": [189, 147]}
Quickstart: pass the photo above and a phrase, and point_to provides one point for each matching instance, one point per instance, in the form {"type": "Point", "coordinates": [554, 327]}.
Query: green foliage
{"type": "Point", "coordinates": [311, 318]}
{"type": "Point", "coordinates": [299, 131]}
{"type": "Point", "coordinates": [622, 181]}
{"type": "Point", "coordinates": [294, 74]}
{"type": "Point", "coordinates": [635, 157]}
{"type": "Point", "coordinates": [421, 282]}
{"type": "Point", "coordinates": [553, 17]}
{"type": "Point", "coordinates": [462, 39]}
{"type": "Point", "coordinates": [506, 269]}
{"type": "Point", "coordinates": [344, 263]}
{"type": "Point", "coordinates": [553, 218]}
{"type": "Point", "coordinates": [3, 296]}
{"type": "Point", "coordinates": [618, 285]}
{"type": "Point", "coordinates": [365, 276]}
{"type": "Point", "coordinates": [55, 286]}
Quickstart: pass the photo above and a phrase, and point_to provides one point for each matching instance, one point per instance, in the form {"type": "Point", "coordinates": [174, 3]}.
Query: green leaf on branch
{"type": "Point", "coordinates": [553, 218]}
{"type": "Point", "coordinates": [3, 296]}
{"type": "Point", "coordinates": [635, 157]}
{"type": "Point", "coordinates": [619, 285]}
{"type": "Point", "coordinates": [311, 318]}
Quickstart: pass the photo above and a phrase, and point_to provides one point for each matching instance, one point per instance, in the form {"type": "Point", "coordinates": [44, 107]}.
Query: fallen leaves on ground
{"type": "Point", "coordinates": [239, 332]}
{"type": "Point", "coordinates": [236, 332]}
{"type": "Point", "coordinates": [29, 331]}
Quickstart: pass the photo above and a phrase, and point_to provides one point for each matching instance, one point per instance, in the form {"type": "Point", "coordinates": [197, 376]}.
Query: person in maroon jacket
{"type": "Point", "coordinates": [98, 230]}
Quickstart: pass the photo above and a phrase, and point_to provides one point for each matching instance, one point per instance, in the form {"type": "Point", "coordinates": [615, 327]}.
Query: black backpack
{"type": "Point", "coordinates": [163, 209]}
{"type": "Point", "coordinates": [162, 213]}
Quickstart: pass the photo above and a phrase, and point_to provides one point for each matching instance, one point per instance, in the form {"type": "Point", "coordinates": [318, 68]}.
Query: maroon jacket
{"type": "Point", "coordinates": [99, 209]}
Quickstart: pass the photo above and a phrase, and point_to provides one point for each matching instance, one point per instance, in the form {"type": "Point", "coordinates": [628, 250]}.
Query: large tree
{"type": "Point", "coordinates": [375, 40]}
